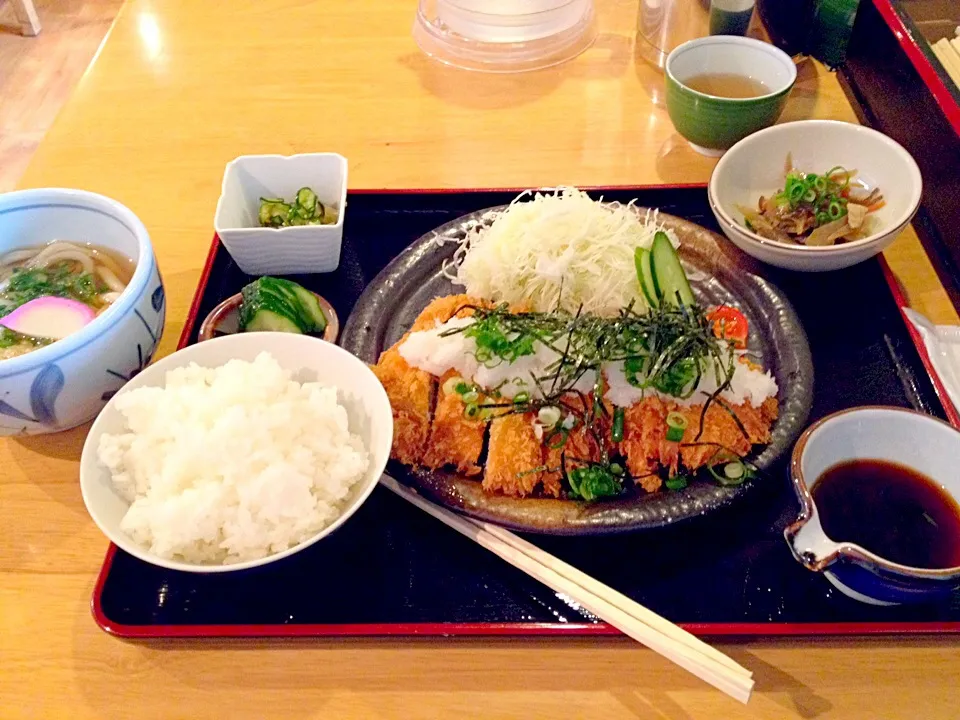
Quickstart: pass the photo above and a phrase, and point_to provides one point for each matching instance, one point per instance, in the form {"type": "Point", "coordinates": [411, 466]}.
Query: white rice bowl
{"type": "Point", "coordinates": [237, 459]}
{"type": "Point", "coordinates": [233, 463]}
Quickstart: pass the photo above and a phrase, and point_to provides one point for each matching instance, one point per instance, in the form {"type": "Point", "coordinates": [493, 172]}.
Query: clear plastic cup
{"type": "Point", "coordinates": [504, 35]}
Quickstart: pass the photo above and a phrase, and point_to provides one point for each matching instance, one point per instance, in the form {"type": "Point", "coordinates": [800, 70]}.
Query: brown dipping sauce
{"type": "Point", "coordinates": [890, 510]}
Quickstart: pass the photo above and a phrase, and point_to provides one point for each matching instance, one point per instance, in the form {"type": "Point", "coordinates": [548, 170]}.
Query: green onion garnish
{"type": "Point", "coordinates": [678, 482]}
{"type": "Point", "coordinates": [733, 473]}
{"type": "Point", "coordinates": [557, 439]}
{"type": "Point", "coordinates": [452, 384]}
{"type": "Point", "coordinates": [676, 425]}
{"type": "Point", "coordinates": [616, 431]}
{"type": "Point", "coordinates": [548, 416]}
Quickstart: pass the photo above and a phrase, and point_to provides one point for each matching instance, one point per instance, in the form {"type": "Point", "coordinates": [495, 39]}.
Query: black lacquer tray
{"type": "Point", "coordinates": [394, 570]}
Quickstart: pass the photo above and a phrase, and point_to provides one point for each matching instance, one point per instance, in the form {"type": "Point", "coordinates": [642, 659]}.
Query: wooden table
{"type": "Point", "coordinates": [180, 88]}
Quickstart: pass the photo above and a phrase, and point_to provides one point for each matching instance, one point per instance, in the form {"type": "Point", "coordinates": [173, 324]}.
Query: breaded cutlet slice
{"type": "Point", "coordinates": [721, 436]}
{"type": "Point", "coordinates": [441, 309]}
{"type": "Point", "coordinates": [754, 421]}
{"type": "Point", "coordinates": [455, 440]}
{"type": "Point", "coordinates": [514, 457]}
{"type": "Point", "coordinates": [645, 442]}
{"type": "Point", "coordinates": [409, 391]}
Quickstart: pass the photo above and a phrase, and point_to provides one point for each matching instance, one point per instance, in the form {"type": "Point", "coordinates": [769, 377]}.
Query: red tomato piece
{"type": "Point", "coordinates": [729, 324]}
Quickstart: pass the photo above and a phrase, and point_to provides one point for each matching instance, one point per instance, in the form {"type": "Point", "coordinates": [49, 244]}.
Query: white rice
{"type": "Point", "coordinates": [230, 464]}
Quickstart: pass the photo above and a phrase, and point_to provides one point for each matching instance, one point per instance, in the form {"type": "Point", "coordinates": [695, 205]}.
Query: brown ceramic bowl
{"type": "Point", "coordinates": [223, 320]}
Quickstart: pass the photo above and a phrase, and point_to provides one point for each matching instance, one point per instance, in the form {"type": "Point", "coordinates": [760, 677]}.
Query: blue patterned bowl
{"type": "Point", "coordinates": [909, 438]}
{"type": "Point", "coordinates": [65, 384]}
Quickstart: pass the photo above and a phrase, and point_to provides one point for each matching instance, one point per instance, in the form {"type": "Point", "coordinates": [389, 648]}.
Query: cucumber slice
{"type": "Point", "coordinates": [302, 300]}
{"type": "Point", "coordinates": [283, 298]}
{"type": "Point", "coordinates": [260, 297]}
{"type": "Point", "coordinates": [273, 212]}
{"type": "Point", "coordinates": [668, 272]}
{"type": "Point", "coordinates": [262, 319]}
{"type": "Point", "coordinates": [307, 200]}
{"type": "Point", "coordinates": [642, 258]}
{"type": "Point", "coordinates": [311, 307]}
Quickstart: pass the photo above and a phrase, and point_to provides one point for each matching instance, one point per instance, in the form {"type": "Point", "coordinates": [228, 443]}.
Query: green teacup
{"type": "Point", "coordinates": [712, 123]}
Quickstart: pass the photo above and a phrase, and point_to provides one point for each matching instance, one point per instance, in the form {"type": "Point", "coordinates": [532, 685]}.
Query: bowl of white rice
{"type": "Point", "coordinates": [236, 452]}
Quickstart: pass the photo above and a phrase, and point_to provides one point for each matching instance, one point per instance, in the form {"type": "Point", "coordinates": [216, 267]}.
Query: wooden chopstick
{"type": "Point", "coordinates": [645, 626]}
{"type": "Point", "coordinates": [948, 53]}
{"type": "Point", "coordinates": [618, 600]}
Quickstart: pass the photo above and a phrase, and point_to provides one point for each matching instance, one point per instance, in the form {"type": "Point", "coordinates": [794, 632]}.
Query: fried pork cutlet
{"type": "Point", "coordinates": [514, 456]}
{"type": "Point", "coordinates": [753, 421]}
{"type": "Point", "coordinates": [644, 438]}
{"type": "Point", "coordinates": [455, 440]}
{"type": "Point", "coordinates": [441, 309]}
{"type": "Point", "coordinates": [581, 444]}
{"type": "Point", "coordinates": [410, 390]}
{"type": "Point", "coordinates": [721, 435]}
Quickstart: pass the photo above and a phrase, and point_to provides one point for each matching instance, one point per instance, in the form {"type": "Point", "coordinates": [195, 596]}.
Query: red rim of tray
{"type": "Point", "coordinates": [912, 48]}
{"type": "Point", "coordinates": [147, 632]}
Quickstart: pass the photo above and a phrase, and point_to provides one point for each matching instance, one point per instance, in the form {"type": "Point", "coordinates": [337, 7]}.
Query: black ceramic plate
{"type": "Point", "coordinates": [389, 305]}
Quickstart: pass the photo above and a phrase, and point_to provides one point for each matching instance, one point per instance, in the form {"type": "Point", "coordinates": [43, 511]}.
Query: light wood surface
{"type": "Point", "coordinates": [27, 15]}
{"type": "Point", "coordinates": [38, 74]}
{"type": "Point", "coordinates": [180, 88]}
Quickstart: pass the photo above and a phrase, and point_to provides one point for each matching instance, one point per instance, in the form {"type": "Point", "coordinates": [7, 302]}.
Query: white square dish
{"type": "Point", "coordinates": [288, 250]}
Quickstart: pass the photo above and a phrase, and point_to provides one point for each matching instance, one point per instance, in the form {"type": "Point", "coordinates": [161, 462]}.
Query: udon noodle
{"type": "Point", "coordinates": [73, 272]}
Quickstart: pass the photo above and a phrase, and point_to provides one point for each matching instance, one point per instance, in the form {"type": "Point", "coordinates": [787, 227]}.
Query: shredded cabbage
{"type": "Point", "coordinates": [557, 248]}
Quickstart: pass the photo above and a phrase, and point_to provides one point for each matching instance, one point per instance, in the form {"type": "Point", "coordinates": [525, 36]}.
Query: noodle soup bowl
{"type": "Point", "coordinates": [66, 383]}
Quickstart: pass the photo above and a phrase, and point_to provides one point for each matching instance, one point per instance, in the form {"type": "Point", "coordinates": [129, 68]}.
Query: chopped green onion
{"type": "Point", "coordinates": [451, 385]}
{"type": "Point", "coordinates": [822, 218]}
{"type": "Point", "coordinates": [557, 439]}
{"type": "Point", "coordinates": [734, 470]}
{"type": "Point", "coordinates": [471, 397]}
{"type": "Point", "coordinates": [835, 210]}
{"type": "Point", "coordinates": [462, 387]}
{"type": "Point", "coordinates": [810, 195]}
{"type": "Point", "coordinates": [819, 184]}
{"type": "Point", "coordinates": [521, 397]}
{"type": "Point", "coordinates": [846, 176]}
{"type": "Point", "coordinates": [592, 481]}
{"type": "Point", "coordinates": [676, 425]}
{"type": "Point", "coordinates": [471, 411]}
{"type": "Point", "coordinates": [616, 431]}
{"type": "Point", "coordinates": [678, 482]}
{"type": "Point", "coordinates": [734, 473]}
{"type": "Point", "coordinates": [795, 193]}
{"type": "Point", "coordinates": [549, 416]}
{"type": "Point", "coordinates": [616, 468]}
